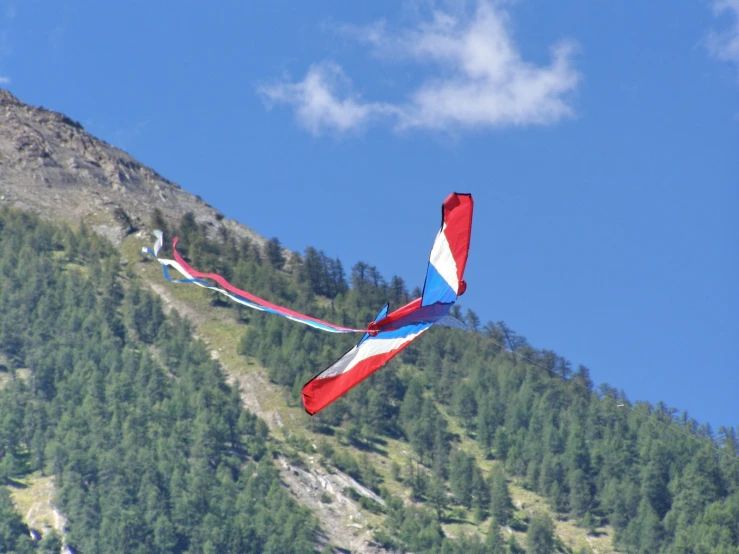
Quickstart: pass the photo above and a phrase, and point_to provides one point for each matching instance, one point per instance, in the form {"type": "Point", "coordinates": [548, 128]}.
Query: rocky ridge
{"type": "Point", "coordinates": [50, 165]}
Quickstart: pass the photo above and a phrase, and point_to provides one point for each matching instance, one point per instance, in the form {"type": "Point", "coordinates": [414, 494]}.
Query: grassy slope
{"type": "Point", "coordinates": [33, 497]}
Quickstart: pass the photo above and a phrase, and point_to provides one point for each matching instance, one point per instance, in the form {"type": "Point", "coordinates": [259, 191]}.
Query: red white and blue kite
{"type": "Point", "coordinates": [389, 333]}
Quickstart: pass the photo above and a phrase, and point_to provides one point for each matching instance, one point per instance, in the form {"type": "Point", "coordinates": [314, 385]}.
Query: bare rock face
{"type": "Point", "coordinates": [50, 165]}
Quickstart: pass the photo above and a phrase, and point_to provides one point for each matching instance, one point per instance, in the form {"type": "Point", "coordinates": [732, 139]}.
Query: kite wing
{"type": "Point", "coordinates": [445, 271]}
{"type": "Point", "coordinates": [452, 322]}
{"type": "Point", "coordinates": [444, 275]}
{"type": "Point", "coordinates": [391, 333]}
{"type": "Point", "coordinates": [237, 295]}
{"type": "Point", "coordinates": [357, 364]}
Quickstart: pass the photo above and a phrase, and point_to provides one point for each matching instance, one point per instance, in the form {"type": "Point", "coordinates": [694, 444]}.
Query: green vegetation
{"type": "Point", "coordinates": [14, 534]}
{"type": "Point", "coordinates": [150, 449]}
{"type": "Point", "coordinates": [660, 482]}
{"type": "Point", "coordinates": [475, 442]}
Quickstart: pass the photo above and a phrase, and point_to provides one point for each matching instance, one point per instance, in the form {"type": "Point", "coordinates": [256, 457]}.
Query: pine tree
{"type": "Point", "coordinates": [501, 505]}
{"type": "Point", "coordinates": [465, 405]}
{"type": "Point", "coordinates": [14, 534]}
{"type": "Point", "coordinates": [484, 427]}
{"type": "Point", "coordinates": [540, 535]}
{"type": "Point", "coordinates": [494, 541]}
{"type": "Point", "coordinates": [273, 253]}
{"type": "Point", "coordinates": [460, 477]}
{"type": "Point", "coordinates": [438, 497]}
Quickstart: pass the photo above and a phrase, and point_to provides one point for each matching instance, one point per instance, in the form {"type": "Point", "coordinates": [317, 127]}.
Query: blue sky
{"type": "Point", "coordinates": [600, 141]}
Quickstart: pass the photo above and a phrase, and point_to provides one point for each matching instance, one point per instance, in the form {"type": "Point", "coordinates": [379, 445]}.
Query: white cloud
{"type": "Point", "coordinates": [480, 81]}
{"type": "Point", "coordinates": [725, 45]}
{"type": "Point", "coordinates": [317, 103]}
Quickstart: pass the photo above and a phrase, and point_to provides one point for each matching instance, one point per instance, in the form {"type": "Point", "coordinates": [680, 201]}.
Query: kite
{"type": "Point", "coordinates": [389, 333]}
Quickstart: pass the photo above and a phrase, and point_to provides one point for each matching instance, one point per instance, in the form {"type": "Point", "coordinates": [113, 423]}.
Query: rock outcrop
{"type": "Point", "coordinates": [50, 165]}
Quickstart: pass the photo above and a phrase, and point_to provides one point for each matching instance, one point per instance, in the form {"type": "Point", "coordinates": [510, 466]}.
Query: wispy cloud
{"type": "Point", "coordinates": [480, 79]}
{"type": "Point", "coordinates": [725, 44]}
{"type": "Point", "coordinates": [4, 80]}
{"type": "Point", "coordinates": [322, 100]}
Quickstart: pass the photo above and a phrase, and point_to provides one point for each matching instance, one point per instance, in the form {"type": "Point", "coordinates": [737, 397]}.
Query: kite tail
{"type": "Point", "coordinates": [192, 276]}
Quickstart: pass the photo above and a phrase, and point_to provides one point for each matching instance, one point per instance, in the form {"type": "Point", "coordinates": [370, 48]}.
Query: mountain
{"type": "Point", "coordinates": [466, 443]}
{"type": "Point", "coordinates": [50, 165]}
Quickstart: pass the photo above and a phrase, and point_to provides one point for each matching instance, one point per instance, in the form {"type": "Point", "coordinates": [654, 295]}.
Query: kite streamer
{"type": "Point", "coordinates": [192, 276]}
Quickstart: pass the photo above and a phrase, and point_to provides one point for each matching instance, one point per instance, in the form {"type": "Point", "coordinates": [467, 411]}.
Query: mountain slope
{"type": "Point", "coordinates": [149, 449]}
{"type": "Point", "coordinates": [457, 438]}
{"type": "Point", "coordinates": [49, 164]}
